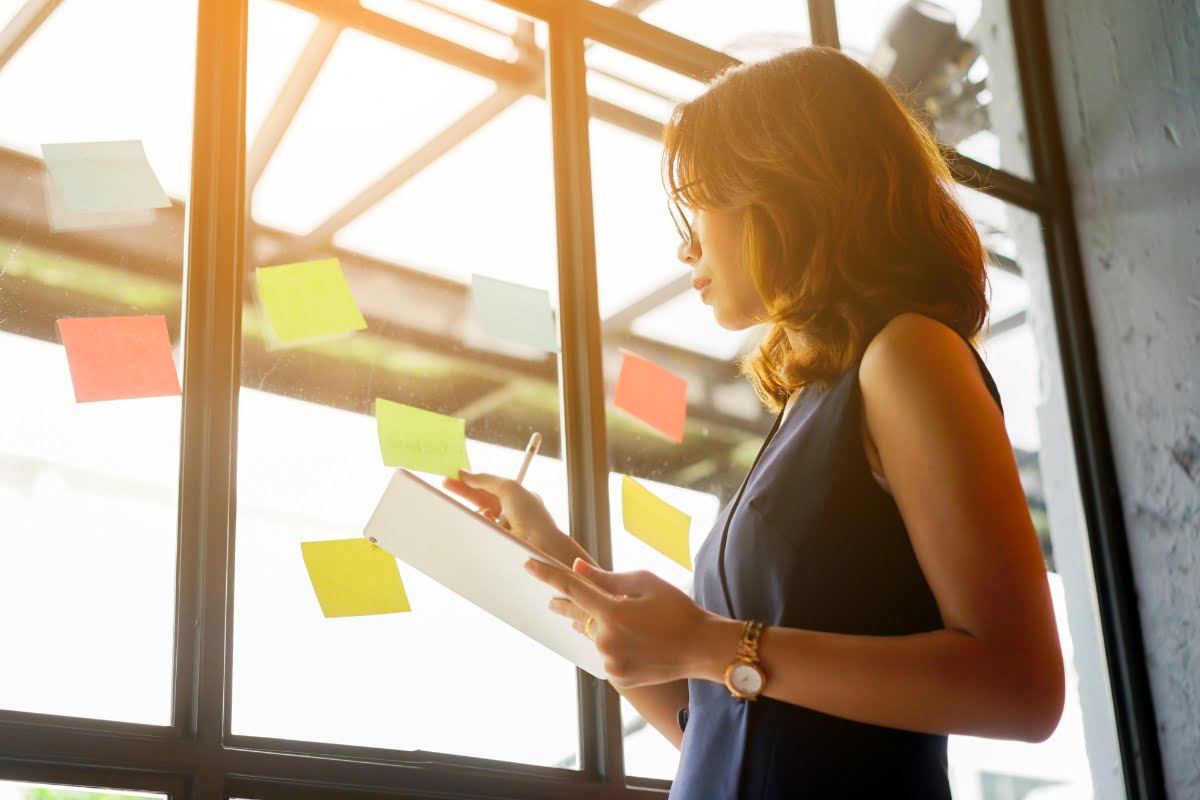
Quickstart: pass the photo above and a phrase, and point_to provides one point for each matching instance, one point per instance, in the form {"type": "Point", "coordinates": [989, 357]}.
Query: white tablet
{"type": "Point", "coordinates": [477, 560]}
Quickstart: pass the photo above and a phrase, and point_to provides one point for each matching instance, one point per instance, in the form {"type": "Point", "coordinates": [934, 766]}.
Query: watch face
{"type": "Point", "coordinates": [746, 678]}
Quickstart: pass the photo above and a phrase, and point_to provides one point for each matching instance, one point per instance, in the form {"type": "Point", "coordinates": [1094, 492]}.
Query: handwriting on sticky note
{"type": "Point", "coordinates": [653, 394]}
{"type": "Point", "coordinates": [99, 177]}
{"type": "Point", "coordinates": [119, 358]}
{"type": "Point", "coordinates": [655, 521]}
{"type": "Point", "coordinates": [308, 301]}
{"type": "Point", "coordinates": [514, 313]}
{"type": "Point", "coordinates": [353, 578]}
{"type": "Point", "coordinates": [421, 440]}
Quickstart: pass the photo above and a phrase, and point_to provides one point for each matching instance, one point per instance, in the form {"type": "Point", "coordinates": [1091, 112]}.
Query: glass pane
{"type": "Point", "coordinates": [352, 126]}
{"type": "Point", "coordinates": [15, 790]}
{"type": "Point", "coordinates": [648, 308]}
{"type": "Point", "coordinates": [309, 461]}
{"type": "Point", "coordinates": [747, 30]}
{"type": "Point", "coordinates": [441, 223]}
{"type": "Point", "coordinates": [636, 85]}
{"type": "Point", "coordinates": [88, 489]}
{"type": "Point", "coordinates": [954, 59]}
{"type": "Point", "coordinates": [1021, 352]}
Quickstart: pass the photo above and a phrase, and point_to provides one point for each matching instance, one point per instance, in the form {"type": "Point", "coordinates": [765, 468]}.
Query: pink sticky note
{"type": "Point", "coordinates": [118, 358]}
{"type": "Point", "coordinates": [653, 394]}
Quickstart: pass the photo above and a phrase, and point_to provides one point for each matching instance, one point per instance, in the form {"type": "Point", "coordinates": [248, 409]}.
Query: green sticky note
{"type": "Point", "coordinates": [421, 440]}
{"type": "Point", "coordinates": [656, 522]}
{"type": "Point", "coordinates": [353, 578]}
{"type": "Point", "coordinates": [514, 313]}
{"type": "Point", "coordinates": [308, 301]}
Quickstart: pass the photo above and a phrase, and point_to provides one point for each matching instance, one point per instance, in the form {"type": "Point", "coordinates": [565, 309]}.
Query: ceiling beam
{"type": "Point", "coordinates": [299, 81]}
{"type": "Point", "coordinates": [353, 15]}
{"type": "Point", "coordinates": [23, 25]}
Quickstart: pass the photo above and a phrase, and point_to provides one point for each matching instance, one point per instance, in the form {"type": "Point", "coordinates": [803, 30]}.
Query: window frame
{"type": "Point", "coordinates": [197, 756]}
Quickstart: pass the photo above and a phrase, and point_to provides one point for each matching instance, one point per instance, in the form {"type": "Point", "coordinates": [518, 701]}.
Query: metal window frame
{"type": "Point", "coordinates": [198, 756]}
{"type": "Point", "coordinates": [1116, 591]}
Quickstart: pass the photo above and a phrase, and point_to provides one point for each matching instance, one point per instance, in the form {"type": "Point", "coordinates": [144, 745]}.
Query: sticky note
{"type": "Point", "coordinates": [62, 218]}
{"type": "Point", "coordinates": [656, 522]}
{"type": "Point", "coordinates": [653, 394]}
{"type": "Point", "coordinates": [95, 177]}
{"type": "Point", "coordinates": [514, 313]}
{"type": "Point", "coordinates": [421, 440]}
{"type": "Point", "coordinates": [353, 578]}
{"type": "Point", "coordinates": [119, 358]}
{"type": "Point", "coordinates": [308, 301]}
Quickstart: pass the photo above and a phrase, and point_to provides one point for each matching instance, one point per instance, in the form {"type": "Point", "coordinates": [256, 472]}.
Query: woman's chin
{"type": "Point", "coordinates": [730, 323]}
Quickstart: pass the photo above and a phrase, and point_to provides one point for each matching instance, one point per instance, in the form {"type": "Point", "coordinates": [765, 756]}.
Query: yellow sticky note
{"type": "Point", "coordinates": [656, 522]}
{"type": "Point", "coordinates": [353, 577]}
{"type": "Point", "coordinates": [421, 440]}
{"type": "Point", "coordinates": [308, 301]}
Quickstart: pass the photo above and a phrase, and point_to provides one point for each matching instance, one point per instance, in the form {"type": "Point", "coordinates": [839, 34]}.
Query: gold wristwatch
{"type": "Point", "coordinates": [744, 677]}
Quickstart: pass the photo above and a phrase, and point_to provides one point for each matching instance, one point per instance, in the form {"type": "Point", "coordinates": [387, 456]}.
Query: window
{"type": "Point", "coordinates": [954, 60]}
{"type": "Point", "coordinates": [417, 680]}
{"type": "Point", "coordinates": [88, 490]}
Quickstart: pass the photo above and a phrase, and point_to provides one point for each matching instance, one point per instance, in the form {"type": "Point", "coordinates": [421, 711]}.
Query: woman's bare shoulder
{"type": "Point", "coordinates": [916, 348]}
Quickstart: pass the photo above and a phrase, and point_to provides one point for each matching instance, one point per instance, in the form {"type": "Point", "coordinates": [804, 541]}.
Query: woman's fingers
{"type": "Point", "coordinates": [484, 500]}
{"type": "Point", "coordinates": [627, 584]}
{"type": "Point", "coordinates": [565, 608]}
{"type": "Point", "coordinates": [482, 480]}
{"type": "Point", "coordinates": [590, 599]}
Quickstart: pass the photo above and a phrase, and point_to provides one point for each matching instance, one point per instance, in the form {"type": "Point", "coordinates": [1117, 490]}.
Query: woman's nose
{"type": "Point", "coordinates": [687, 252]}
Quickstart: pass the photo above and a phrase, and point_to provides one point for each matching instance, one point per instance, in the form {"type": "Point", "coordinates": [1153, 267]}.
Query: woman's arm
{"type": "Point", "coordinates": [994, 670]}
{"type": "Point", "coordinates": [659, 705]}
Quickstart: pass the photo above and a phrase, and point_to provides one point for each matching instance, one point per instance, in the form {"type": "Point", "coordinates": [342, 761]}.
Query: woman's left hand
{"type": "Point", "coordinates": [647, 630]}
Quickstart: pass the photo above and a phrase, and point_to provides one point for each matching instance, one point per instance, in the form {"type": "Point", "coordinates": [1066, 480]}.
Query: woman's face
{"type": "Point", "coordinates": [718, 274]}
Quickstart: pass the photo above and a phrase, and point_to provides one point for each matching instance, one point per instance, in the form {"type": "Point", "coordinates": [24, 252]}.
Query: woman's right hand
{"type": "Point", "coordinates": [524, 511]}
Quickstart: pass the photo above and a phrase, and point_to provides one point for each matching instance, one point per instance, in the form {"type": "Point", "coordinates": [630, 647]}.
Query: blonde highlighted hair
{"type": "Point", "coordinates": [850, 215]}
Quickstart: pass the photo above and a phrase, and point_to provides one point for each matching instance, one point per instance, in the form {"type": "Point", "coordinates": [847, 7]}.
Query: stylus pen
{"type": "Point", "coordinates": [535, 441]}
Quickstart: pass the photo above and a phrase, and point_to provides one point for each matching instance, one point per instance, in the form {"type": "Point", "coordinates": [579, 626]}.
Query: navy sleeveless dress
{"type": "Point", "coordinates": [813, 542]}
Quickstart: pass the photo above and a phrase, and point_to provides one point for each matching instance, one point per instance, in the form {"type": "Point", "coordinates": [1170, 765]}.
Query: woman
{"type": "Point", "coordinates": [881, 538]}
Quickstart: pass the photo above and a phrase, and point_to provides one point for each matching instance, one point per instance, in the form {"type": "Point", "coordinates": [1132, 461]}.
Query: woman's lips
{"type": "Point", "coordinates": [702, 286]}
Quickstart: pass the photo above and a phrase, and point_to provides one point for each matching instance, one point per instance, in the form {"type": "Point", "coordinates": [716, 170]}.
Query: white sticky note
{"type": "Point", "coordinates": [514, 313]}
{"type": "Point", "coordinates": [96, 177]}
{"type": "Point", "coordinates": [62, 218]}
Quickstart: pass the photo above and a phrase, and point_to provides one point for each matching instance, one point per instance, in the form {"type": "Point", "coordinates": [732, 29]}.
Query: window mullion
{"type": "Point", "coordinates": [212, 353]}
{"type": "Point", "coordinates": [582, 380]}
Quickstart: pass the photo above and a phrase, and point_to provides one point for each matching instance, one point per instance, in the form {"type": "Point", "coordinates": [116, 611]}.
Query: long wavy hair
{"type": "Point", "coordinates": [850, 215]}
